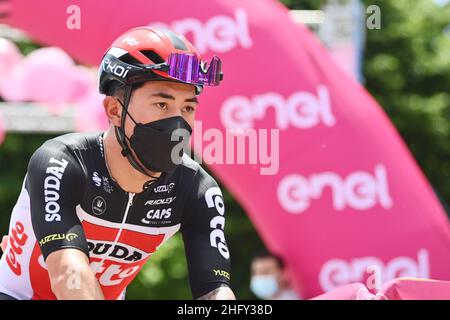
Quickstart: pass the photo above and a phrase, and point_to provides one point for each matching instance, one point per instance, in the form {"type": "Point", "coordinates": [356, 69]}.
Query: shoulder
{"type": "Point", "coordinates": [204, 193]}
{"type": "Point", "coordinates": [78, 140]}
{"type": "Point", "coordinates": [204, 198]}
{"type": "Point", "coordinates": [70, 141]}
{"type": "Point", "coordinates": [65, 148]}
{"type": "Point", "coordinates": [60, 161]}
{"type": "Point", "coordinates": [198, 178]}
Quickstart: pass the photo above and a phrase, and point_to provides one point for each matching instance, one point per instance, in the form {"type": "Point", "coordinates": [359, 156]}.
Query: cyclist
{"type": "Point", "coordinates": [94, 207]}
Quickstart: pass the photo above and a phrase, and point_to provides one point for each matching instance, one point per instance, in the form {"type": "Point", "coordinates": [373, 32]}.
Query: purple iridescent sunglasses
{"type": "Point", "coordinates": [188, 68]}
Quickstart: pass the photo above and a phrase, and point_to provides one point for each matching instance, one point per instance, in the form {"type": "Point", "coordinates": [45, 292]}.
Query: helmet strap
{"type": "Point", "coordinates": [122, 138]}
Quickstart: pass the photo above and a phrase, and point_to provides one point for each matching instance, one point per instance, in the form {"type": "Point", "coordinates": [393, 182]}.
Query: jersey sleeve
{"type": "Point", "coordinates": [207, 254]}
{"type": "Point", "coordinates": [55, 183]}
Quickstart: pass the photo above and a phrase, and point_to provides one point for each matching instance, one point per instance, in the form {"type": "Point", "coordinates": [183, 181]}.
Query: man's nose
{"type": "Point", "coordinates": [176, 112]}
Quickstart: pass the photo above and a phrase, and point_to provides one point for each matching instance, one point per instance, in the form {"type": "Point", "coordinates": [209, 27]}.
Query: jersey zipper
{"type": "Point", "coordinates": [125, 216]}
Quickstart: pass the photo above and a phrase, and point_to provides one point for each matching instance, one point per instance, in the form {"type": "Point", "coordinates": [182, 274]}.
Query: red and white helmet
{"type": "Point", "coordinates": [141, 54]}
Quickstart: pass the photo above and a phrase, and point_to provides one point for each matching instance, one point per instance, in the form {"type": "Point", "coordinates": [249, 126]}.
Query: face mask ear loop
{"type": "Point", "coordinates": [121, 137]}
{"type": "Point", "coordinates": [125, 113]}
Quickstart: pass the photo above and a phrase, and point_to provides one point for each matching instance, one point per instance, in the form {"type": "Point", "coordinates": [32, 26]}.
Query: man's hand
{"type": "Point", "coordinates": [71, 277]}
{"type": "Point", "coordinates": [4, 243]}
{"type": "Point", "coordinates": [221, 293]}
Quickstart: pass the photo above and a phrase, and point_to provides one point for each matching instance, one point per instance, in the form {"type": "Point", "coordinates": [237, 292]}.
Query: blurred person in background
{"type": "Point", "coordinates": [269, 278]}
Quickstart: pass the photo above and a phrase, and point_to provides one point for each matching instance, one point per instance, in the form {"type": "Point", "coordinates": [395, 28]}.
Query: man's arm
{"type": "Point", "coordinates": [55, 183]}
{"type": "Point", "coordinates": [71, 277]}
{"type": "Point", "coordinates": [221, 293]}
{"type": "Point", "coordinates": [70, 274]}
{"type": "Point", "coordinates": [207, 254]}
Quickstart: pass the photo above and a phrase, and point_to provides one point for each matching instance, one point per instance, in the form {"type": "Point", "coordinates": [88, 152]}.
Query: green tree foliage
{"type": "Point", "coordinates": [407, 69]}
{"type": "Point", "coordinates": [14, 155]}
{"type": "Point", "coordinates": [303, 5]}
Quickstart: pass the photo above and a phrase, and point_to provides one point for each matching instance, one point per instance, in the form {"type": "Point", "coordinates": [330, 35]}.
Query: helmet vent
{"type": "Point", "coordinates": [152, 55]}
{"type": "Point", "coordinates": [128, 58]}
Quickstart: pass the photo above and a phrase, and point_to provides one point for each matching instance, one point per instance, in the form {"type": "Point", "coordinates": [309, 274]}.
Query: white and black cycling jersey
{"type": "Point", "coordinates": [69, 200]}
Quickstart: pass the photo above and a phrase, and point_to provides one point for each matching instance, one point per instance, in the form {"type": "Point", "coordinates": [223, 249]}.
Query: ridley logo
{"type": "Point", "coordinates": [17, 240]}
{"type": "Point", "coordinates": [168, 200]}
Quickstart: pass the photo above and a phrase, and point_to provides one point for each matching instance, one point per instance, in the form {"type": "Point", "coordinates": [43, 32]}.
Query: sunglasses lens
{"type": "Point", "coordinates": [187, 68]}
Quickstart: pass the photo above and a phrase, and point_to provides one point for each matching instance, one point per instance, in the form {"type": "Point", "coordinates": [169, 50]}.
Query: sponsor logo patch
{"type": "Point", "coordinates": [58, 236]}
{"type": "Point", "coordinates": [98, 205]}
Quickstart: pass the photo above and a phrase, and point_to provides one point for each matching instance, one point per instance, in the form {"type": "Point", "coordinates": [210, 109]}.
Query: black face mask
{"type": "Point", "coordinates": [159, 145]}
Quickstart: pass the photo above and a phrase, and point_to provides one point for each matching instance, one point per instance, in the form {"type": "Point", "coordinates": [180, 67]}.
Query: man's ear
{"type": "Point", "coordinates": [113, 110]}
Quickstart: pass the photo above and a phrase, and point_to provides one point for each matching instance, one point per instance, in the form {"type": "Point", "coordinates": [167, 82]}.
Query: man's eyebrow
{"type": "Point", "coordinates": [163, 95]}
{"type": "Point", "coordinates": [170, 97]}
{"type": "Point", "coordinates": [194, 99]}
